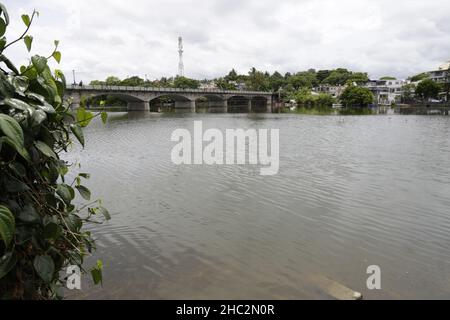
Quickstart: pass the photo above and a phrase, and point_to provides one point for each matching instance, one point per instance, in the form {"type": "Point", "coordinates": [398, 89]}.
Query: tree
{"type": "Point", "coordinates": [134, 81]}
{"type": "Point", "coordinates": [112, 81]}
{"type": "Point", "coordinates": [257, 81]}
{"type": "Point", "coordinates": [322, 75]}
{"type": "Point", "coordinates": [358, 77]}
{"type": "Point", "coordinates": [276, 81]}
{"type": "Point", "coordinates": [223, 84]}
{"type": "Point", "coordinates": [96, 83]}
{"type": "Point", "coordinates": [186, 83]}
{"type": "Point", "coordinates": [338, 77]}
{"type": "Point", "coordinates": [324, 100]}
{"type": "Point", "coordinates": [420, 77]}
{"type": "Point", "coordinates": [354, 96]}
{"type": "Point", "coordinates": [41, 226]}
{"type": "Point", "coordinates": [303, 79]}
{"type": "Point", "coordinates": [304, 97]}
{"type": "Point", "coordinates": [408, 93]}
{"type": "Point", "coordinates": [428, 89]}
{"type": "Point", "coordinates": [232, 76]}
{"type": "Point", "coordinates": [446, 89]}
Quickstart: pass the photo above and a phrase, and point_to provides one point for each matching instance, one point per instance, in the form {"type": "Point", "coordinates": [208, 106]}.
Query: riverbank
{"type": "Point", "coordinates": [330, 111]}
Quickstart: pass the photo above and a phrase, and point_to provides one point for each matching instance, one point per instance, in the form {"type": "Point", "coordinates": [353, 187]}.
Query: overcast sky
{"type": "Point", "coordinates": [138, 37]}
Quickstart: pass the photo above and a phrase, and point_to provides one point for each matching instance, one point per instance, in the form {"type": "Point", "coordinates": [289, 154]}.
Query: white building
{"type": "Point", "coordinates": [387, 92]}
{"type": "Point", "coordinates": [442, 74]}
{"type": "Point", "coordinates": [334, 91]}
{"type": "Point", "coordinates": [207, 85]}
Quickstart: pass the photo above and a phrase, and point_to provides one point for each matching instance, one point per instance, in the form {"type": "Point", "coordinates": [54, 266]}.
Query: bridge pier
{"type": "Point", "coordinates": [269, 106]}
{"type": "Point", "coordinates": [138, 106]}
{"type": "Point", "coordinates": [249, 106]}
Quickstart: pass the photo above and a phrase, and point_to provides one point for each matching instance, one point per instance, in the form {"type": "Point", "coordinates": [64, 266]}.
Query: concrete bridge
{"type": "Point", "coordinates": [139, 98]}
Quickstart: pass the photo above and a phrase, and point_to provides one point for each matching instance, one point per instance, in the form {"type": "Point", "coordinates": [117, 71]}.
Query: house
{"type": "Point", "coordinates": [207, 85]}
{"type": "Point", "coordinates": [386, 92]}
{"type": "Point", "coordinates": [334, 91]}
{"type": "Point", "coordinates": [239, 85]}
{"type": "Point", "coordinates": [442, 74]}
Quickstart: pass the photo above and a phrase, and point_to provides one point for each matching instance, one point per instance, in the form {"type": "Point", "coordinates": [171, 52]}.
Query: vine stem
{"type": "Point", "coordinates": [23, 34]}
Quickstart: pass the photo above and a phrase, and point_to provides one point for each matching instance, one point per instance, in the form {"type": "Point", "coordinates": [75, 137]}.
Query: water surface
{"type": "Point", "coordinates": [351, 192]}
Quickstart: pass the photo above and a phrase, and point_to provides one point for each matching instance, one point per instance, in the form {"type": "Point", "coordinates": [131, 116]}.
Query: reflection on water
{"type": "Point", "coordinates": [351, 192]}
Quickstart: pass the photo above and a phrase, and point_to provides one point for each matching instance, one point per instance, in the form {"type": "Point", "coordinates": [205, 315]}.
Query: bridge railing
{"type": "Point", "coordinates": [157, 89]}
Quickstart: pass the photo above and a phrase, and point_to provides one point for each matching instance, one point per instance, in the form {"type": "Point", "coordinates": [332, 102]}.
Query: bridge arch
{"type": "Point", "coordinates": [239, 104]}
{"type": "Point", "coordinates": [170, 101]}
{"type": "Point", "coordinates": [211, 103]}
{"type": "Point", "coordinates": [113, 99]}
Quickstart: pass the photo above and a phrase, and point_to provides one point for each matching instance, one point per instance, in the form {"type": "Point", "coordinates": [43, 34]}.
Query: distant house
{"type": "Point", "coordinates": [386, 92]}
{"type": "Point", "coordinates": [442, 74]}
{"type": "Point", "coordinates": [239, 85]}
{"type": "Point", "coordinates": [207, 85]}
{"type": "Point", "coordinates": [334, 91]}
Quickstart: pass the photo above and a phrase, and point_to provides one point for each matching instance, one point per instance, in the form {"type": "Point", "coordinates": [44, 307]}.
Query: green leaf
{"type": "Point", "coordinates": [96, 272]}
{"type": "Point", "coordinates": [6, 88]}
{"type": "Point", "coordinates": [18, 104]}
{"type": "Point", "coordinates": [18, 147]}
{"type": "Point", "coordinates": [52, 231]}
{"type": "Point", "coordinates": [44, 267]}
{"type": "Point", "coordinates": [9, 64]}
{"type": "Point", "coordinates": [13, 185]}
{"type": "Point", "coordinates": [45, 149]}
{"type": "Point", "coordinates": [7, 225]}
{"type": "Point", "coordinates": [7, 262]}
{"type": "Point", "coordinates": [56, 42]}
{"type": "Point", "coordinates": [78, 132]}
{"type": "Point", "coordinates": [2, 43]}
{"type": "Point", "coordinates": [104, 116]}
{"type": "Point", "coordinates": [65, 192]}
{"type": "Point", "coordinates": [47, 107]}
{"type": "Point", "coordinates": [28, 42]}
{"type": "Point", "coordinates": [60, 75]}
{"type": "Point", "coordinates": [84, 117]}
{"type": "Point", "coordinates": [26, 19]}
{"type": "Point", "coordinates": [74, 222]}
{"type": "Point", "coordinates": [5, 13]}
{"type": "Point", "coordinates": [84, 192]}
{"type": "Point", "coordinates": [18, 169]}
{"type": "Point", "coordinates": [28, 214]}
{"type": "Point", "coordinates": [35, 96]}
{"type": "Point", "coordinates": [104, 212]}
{"type": "Point", "coordinates": [39, 116]}
{"type": "Point", "coordinates": [40, 63]}
{"type": "Point", "coordinates": [57, 56]}
{"type": "Point", "coordinates": [20, 83]}
{"type": "Point", "coordinates": [11, 128]}
{"type": "Point", "coordinates": [85, 175]}
{"type": "Point", "coordinates": [2, 27]}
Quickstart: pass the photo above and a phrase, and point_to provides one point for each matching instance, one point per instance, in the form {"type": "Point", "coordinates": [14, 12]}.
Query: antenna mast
{"type": "Point", "coordinates": [180, 53]}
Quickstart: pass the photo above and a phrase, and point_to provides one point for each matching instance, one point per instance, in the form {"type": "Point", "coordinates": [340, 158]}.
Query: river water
{"type": "Point", "coordinates": [351, 192]}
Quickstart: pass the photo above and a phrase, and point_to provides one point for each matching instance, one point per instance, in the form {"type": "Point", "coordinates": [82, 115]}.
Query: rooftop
{"type": "Point", "coordinates": [445, 66]}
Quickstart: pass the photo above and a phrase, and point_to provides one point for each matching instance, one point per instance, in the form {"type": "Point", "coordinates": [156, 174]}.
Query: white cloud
{"type": "Point", "coordinates": [137, 37]}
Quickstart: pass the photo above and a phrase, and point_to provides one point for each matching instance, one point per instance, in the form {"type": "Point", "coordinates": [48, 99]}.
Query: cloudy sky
{"type": "Point", "coordinates": [138, 37]}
